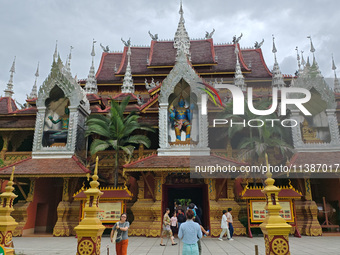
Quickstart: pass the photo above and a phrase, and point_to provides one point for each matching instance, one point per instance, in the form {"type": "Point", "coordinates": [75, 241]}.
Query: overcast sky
{"type": "Point", "coordinates": [30, 28]}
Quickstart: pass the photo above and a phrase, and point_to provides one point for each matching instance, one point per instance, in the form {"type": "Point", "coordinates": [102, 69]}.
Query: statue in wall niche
{"type": "Point", "coordinates": [58, 124]}
{"type": "Point", "coordinates": [180, 118]}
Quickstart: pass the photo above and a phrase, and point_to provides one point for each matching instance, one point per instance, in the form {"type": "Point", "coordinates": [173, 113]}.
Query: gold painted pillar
{"type": "Point", "coordinates": [7, 222]}
{"type": "Point", "coordinates": [274, 228]}
{"type": "Point", "coordinates": [20, 210]}
{"type": "Point", "coordinates": [6, 137]}
{"type": "Point", "coordinates": [61, 227]}
{"type": "Point", "coordinates": [90, 229]}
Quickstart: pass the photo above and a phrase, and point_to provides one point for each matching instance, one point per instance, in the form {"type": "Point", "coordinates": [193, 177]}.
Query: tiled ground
{"type": "Point", "coordinates": [327, 245]}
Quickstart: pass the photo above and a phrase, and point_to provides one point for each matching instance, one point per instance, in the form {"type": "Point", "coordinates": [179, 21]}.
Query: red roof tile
{"type": "Point", "coordinates": [108, 194]}
{"type": "Point", "coordinates": [7, 105]}
{"type": "Point", "coordinates": [257, 193]}
{"type": "Point", "coordinates": [258, 65]}
{"type": "Point", "coordinates": [106, 68]}
{"type": "Point", "coordinates": [46, 168]}
{"type": "Point", "coordinates": [155, 161]}
{"type": "Point", "coordinates": [329, 158]}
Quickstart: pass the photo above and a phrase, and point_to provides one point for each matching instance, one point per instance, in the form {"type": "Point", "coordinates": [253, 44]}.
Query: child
{"type": "Point", "coordinates": [174, 223]}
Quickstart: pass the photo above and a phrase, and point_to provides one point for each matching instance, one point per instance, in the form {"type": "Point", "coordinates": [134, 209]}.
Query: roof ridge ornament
{"type": "Point", "coordinates": [153, 37]}
{"type": "Point", "coordinates": [258, 45]}
{"type": "Point", "coordinates": [9, 90]}
{"type": "Point", "coordinates": [277, 78]}
{"type": "Point", "coordinates": [91, 82]}
{"type": "Point", "coordinates": [209, 35]}
{"type": "Point", "coordinates": [182, 40]}
{"type": "Point", "coordinates": [34, 92]}
{"type": "Point", "coordinates": [128, 86]}
{"type": "Point", "coordinates": [237, 40]}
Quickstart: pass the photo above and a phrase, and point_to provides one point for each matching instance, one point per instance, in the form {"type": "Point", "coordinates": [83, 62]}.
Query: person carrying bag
{"type": "Point", "coordinates": [119, 235]}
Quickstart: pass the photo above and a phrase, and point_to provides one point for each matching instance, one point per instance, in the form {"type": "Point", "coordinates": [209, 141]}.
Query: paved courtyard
{"type": "Point", "coordinates": [327, 245]}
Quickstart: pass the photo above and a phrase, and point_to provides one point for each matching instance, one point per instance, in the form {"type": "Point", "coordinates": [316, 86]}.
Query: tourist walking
{"type": "Point", "coordinates": [230, 222]}
{"type": "Point", "coordinates": [190, 232]}
{"type": "Point", "coordinates": [224, 226]}
{"type": "Point", "coordinates": [180, 218]}
{"type": "Point", "coordinates": [167, 228]}
{"type": "Point", "coordinates": [121, 235]}
{"type": "Point", "coordinates": [174, 224]}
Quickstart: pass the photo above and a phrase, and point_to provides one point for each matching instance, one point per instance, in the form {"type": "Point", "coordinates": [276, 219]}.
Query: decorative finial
{"type": "Point", "coordinates": [92, 52]}
{"type": "Point", "coordinates": [303, 62]}
{"type": "Point", "coordinates": [238, 78]}
{"type": "Point", "coordinates": [34, 93]}
{"type": "Point", "coordinates": [336, 80]}
{"type": "Point", "coordinates": [298, 57]}
{"type": "Point", "coordinates": [91, 82]}
{"type": "Point", "coordinates": [274, 50]}
{"type": "Point", "coordinates": [182, 40]}
{"type": "Point", "coordinates": [128, 86]}
{"type": "Point", "coordinates": [68, 62]}
{"type": "Point", "coordinates": [277, 77]}
{"type": "Point", "coordinates": [9, 90]}
{"type": "Point", "coordinates": [96, 167]}
{"type": "Point", "coordinates": [55, 55]}
{"type": "Point", "coordinates": [333, 64]}
{"type": "Point", "coordinates": [312, 49]}
{"type": "Point", "coordinates": [12, 175]}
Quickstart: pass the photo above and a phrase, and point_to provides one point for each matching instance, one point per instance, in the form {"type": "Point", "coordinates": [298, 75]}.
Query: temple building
{"type": "Point", "coordinates": [170, 84]}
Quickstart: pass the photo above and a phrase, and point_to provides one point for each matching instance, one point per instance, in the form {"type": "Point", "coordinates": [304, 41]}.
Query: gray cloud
{"type": "Point", "coordinates": [29, 30]}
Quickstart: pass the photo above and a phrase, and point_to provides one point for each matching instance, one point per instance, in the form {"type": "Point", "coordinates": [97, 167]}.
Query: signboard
{"type": "Point", "coordinates": [258, 213]}
{"type": "Point", "coordinates": [109, 212]}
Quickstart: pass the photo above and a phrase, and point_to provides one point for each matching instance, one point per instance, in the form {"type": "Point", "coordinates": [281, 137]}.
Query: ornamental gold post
{"type": "Point", "coordinates": [7, 222]}
{"type": "Point", "coordinates": [90, 229]}
{"type": "Point", "coordinates": [275, 229]}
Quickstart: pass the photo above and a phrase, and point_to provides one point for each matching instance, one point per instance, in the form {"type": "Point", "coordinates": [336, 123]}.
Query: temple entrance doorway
{"type": "Point", "coordinates": [196, 193]}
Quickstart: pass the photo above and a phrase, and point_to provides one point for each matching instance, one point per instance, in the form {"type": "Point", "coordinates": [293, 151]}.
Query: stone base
{"type": "Point", "coordinates": [307, 221]}
{"type": "Point", "coordinates": [20, 216]}
{"type": "Point", "coordinates": [61, 227]}
{"type": "Point", "coordinates": [145, 223]}
{"type": "Point", "coordinates": [216, 209]}
{"type": "Point", "coordinates": [68, 218]}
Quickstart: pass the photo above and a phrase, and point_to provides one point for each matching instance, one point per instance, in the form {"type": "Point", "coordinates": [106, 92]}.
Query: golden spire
{"type": "Point", "coordinates": [95, 183]}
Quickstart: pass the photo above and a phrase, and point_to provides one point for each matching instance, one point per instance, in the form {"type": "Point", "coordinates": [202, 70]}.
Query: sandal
{"type": "Point", "coordinates": [162, 244]}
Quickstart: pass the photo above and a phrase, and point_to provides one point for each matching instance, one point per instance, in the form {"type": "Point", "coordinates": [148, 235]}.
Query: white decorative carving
{"type": "Point", "coordinates": [181, 70]}
{"type": "Point", "coordinates": [91, 83]}
{"type": "Point", "coordinates": [277, 79]}
{"type": "Point", "coordinates": [182, 40]}
{"type": "Point", "coordinates": [9, 90]}
{"type": "Point", "coordinates": [128, 86]}
{"type": "Point", "coordinates": [78, 103]}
